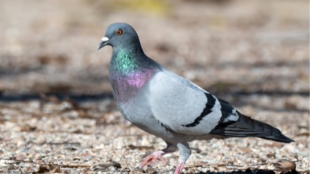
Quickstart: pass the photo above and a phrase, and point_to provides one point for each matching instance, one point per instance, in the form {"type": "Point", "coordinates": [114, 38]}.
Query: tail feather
{"type": "Point", "coordinates": [248, 127]}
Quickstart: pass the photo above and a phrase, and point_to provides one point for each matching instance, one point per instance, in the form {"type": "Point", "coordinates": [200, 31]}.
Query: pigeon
{"type": "Point", "coordinates": [169, 106]}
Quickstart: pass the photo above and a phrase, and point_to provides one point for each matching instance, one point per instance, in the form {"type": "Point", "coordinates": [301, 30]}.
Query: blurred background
{"type": "Point", "coordinates": [220, 45]}
{"type": "Point", "coordinates": [254, 54]}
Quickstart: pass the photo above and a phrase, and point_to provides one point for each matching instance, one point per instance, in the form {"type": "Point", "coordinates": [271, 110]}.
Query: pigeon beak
{"type": "Point", "coordinates": [103, 42]}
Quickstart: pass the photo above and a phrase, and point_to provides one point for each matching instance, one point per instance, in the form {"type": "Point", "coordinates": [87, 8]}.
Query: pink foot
{"type": "Point", "coordinates": [153, 157]}
{"type": "Point", "coordinates": [179, 168]}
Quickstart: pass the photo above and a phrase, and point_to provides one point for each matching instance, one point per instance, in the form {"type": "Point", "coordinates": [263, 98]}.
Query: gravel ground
{"type": "Point", "coordinates": [57, 113]}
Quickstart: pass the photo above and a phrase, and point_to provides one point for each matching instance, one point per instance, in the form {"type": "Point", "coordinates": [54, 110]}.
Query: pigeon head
{"type": "Point", "coordinates": [120, 35]}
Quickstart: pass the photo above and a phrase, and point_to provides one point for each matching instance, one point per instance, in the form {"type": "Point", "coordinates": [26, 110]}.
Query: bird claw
{"type": "Point", "coordinates": [153, 157]}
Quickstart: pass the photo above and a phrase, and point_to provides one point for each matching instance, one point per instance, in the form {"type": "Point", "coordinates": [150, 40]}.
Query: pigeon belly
{"type": "Point", "coordinates": [134, 106]}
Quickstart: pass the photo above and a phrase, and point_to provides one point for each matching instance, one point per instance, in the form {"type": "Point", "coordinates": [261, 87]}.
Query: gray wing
{"type": "Point", "coordinates": [183, 107]}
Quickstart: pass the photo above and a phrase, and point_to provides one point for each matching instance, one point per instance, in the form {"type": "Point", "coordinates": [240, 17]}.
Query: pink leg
{"type": "Point", "coordinates": [179, 168]}
{"type": "Point", "coordinates": [153, 157]}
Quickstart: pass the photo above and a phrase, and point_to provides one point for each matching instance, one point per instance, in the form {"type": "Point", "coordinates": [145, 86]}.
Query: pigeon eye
{"type": "Point", "coordinates": [119, 32]}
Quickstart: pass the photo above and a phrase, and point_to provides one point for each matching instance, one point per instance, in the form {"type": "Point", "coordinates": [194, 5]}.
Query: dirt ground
{"type": "Point", "coordinates": [57, 113]}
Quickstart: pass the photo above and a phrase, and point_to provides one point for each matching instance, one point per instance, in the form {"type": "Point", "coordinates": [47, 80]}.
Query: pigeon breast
{"type": "Point", "coordinates": [128, 74]}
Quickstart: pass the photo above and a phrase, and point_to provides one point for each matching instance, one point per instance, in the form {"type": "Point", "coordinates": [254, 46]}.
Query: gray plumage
{"type": "Point", "coordinates": [169, 106]}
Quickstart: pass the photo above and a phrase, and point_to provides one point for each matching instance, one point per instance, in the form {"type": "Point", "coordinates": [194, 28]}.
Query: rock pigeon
{"type": "Point", "coordinates": [169, 106]}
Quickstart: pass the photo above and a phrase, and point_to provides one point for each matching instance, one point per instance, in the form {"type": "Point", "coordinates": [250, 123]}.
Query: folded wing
{"type": "Point", "coordinates": [183, 107]}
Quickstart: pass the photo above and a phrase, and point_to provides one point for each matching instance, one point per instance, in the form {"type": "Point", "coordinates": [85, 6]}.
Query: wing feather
{"type": "Point", "coordinates": [184, 107]}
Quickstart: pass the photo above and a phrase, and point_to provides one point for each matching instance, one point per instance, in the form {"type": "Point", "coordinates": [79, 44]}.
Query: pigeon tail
{"type": "Point", "coordinates": [247, 127]}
